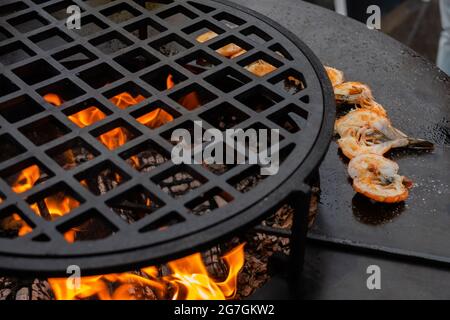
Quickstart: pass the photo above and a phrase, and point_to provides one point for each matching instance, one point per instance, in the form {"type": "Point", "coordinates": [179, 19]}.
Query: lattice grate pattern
{"type": "Point", "coordinates": [126, 187]}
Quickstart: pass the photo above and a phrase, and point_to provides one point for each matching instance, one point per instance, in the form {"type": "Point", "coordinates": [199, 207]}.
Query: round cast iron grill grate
{"type": "Point", "coordinates": [131, 206]}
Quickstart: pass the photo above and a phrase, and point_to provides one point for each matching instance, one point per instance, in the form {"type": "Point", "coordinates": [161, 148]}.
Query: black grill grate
{"type": "Point", "coordinates": [154, 210]}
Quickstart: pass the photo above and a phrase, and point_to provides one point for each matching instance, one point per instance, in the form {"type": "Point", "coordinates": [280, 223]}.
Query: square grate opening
{"type": "Point", "coordinates": [155, 115]}
{"type": "Point", "coordinates": [44, 130]}
{"type": "Point", "coordinates": [91, 25]}
{"type": "Point", "coordinates": [120, 13]}
{"type": "Point", "coordinates": [164, 223]}
{"type": "Point", "coordinates": [102, 178]}
{"type": "Point", "coordinates": [179, 181]}
{"type": "Point", "coordinates": [100, 75]}
{"type": "Point", "coordinates": [291, 118]}
{"type": "Point", "coordinates": [92, 113]}
{"type": "Point", "coordinates": [171, 45]}
{"type": "Point", "coordinates": [7, 9]}
{"type": "Point", "coordinates": [193, 97]}
{"type": "Point", "coordinates": [198, 62]}
{"type": "Point", "coordinates": [74, 57]}
{"type": "Point", "coordinates": [116, 134]}
{"type": "Point", "coordinates": [152, 5]}
{"type": "Point", "coordinates": [146, 156]}
{"type": "Point", "coordinates": [135, 204]}
{"type": "Point", "coordinates": [73, 153]}
{"type": "Point", "coordinates": [87, 227]}
{"type": "Point", "coordinates": [136, 60]}
{"type": "Point", "coordinates": [36, 72]}
{"type": "Point", "coordinates": [224, 116]}
{"type": "Point", "coordinates": [203, 31]}
{"type": "Point", "coordinates": [4, 34]}
{"type": "Point", "coordinates": [145, 29]}
{"type": "Point", "coordinates": [25, 175]}
{"type": "Point", "coordinates": [231, 47]}
{"type": "Point", "coordinates": [111, 42]}
{"type": "Point", "coordinates": [60, 92]}
{"type": "Point", "coordinates": [290, 81]}
{"type": "Point", "coordinates": [13, 223]}
{"type": "Point", "coordinates": [259, 98]}
{"type": "Point", "coordinates": [14, 52]}
{"type": "Point", "coordinates": [7, 86]}
{"type": "Point", "coordinates": [28, 22]}
{"type": "Point", "coordinates": [164, 78]}
{"type": "Point", "coordinates": [59, 9]}
{"type": "Point", "coordinates": [87, 113]}
{"type": "Point", "coordinates": [55, 202]}
{"type": "Point", "coordinates": [97, 3]}
{"type": "Point", "coordinates": [177, 16]}
{"type": "Point", "coordinates": [19, 108]}
{"type": "Point", "coordinates": [10, 147]}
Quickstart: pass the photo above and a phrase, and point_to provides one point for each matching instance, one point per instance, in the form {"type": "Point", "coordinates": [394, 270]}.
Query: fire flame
{"type": "Point", "coordinates": [57, 205]}
{"type": "Point", "coordinates": [26, 179]}
{"type": "Point", "coordinates": [14, 222]}
{"type": "Point", "coordinates": [87, 117]}
{"type": "Point", "coordinates": [190, 101]}
{"type": "Point", "coordinates": [189, 280]}
{"type": "Point", "coordinates": [170, 82]}
{"type": "Point", "coordinates": [53, 99]}
{"type": "Point", "coordinates": [114, 139]}
{"type": "Point", "coordinates": [24, 227]}
{"type": "Point", "coordinates": [125, 100]}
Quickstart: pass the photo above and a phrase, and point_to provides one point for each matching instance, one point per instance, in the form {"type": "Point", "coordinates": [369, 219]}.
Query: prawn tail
{"type": "Point", "coordinates": [419, 144]}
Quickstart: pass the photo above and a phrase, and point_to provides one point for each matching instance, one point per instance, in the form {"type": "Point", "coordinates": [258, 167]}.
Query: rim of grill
{"type": "Point", "coordinates": [34, 67]}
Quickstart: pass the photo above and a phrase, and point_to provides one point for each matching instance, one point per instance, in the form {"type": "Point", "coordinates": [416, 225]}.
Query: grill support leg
{"type": "Point", "coordinates": [298, 242]}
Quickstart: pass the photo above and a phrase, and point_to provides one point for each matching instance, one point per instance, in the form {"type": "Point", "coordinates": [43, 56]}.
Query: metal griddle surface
{"type": "Point", "coordinates": [417, 97]}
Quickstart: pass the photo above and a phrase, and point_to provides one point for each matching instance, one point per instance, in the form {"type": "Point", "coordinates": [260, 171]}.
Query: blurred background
{"type": "Point", "coordinates": [416, 23]}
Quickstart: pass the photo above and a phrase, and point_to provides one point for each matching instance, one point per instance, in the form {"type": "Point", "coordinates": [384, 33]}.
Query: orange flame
{"type": "Point", "coordinates": [190, 101]}
{"type": "Point", "coordinates": [24, 227]}
{"type": "Point", "coordinates": [14, 222]}
{"type": "Point", "coordinates": [57, 205]}
{"type": "Point", "coordinates": [170, 82]}
{"type": "Point", "coordinates": [189, 281]}
{"type": "Point", "coordinates": [114, 139]}
{"type": "Point", "coordinates": [125, 100]}
{"type": "Point", "coordinates": [27, 179]}
{"type": "Point", "coordinates": [155, 119]}
{"type": "Point", "coordinates": [87, 117]}
{"type": "Point", "coordinates": [53, 99]}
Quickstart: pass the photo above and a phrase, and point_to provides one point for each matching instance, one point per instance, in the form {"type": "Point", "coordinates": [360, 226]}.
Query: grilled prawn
{"type": "Point", "coordinates": [377, 137]}
{"type": "Point", "coordinates": [336, 76]}
{"type": "Point", "coordinates": [377, 178]}
{"type": "Point", "coordinates": [358, 94]}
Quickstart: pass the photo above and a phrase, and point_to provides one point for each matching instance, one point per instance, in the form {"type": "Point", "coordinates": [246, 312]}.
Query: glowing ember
{"type": "Point", "coordinates": [53, 99]}
{"type": "Point", "coordinates": [155, 119]}
{"type": "Point", "coordinates": [190, 101]}
{"type": "Point", "coordinates": [26, 179]}
{"type": "Point", "coordinates": [15, 223]}
{"type": "Point", "coordinates": [231, 51]}
{"type": "Point", "coordinates": [115, 138]}
{"type": "Point", "coordinates": [125, 100]}
{"type": "Point", "coordinates": [71, 235]}
{"type": "Point", "coordinates": [189, 280]}
{"type": "Point", "coordinates": [170, 82]}
{"type": "Point", "coordinates": [206, 36]}
{"type": "Point", "coordinates": [56, 206]}
{"type": "Point", "coordinates": [87, 117]}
